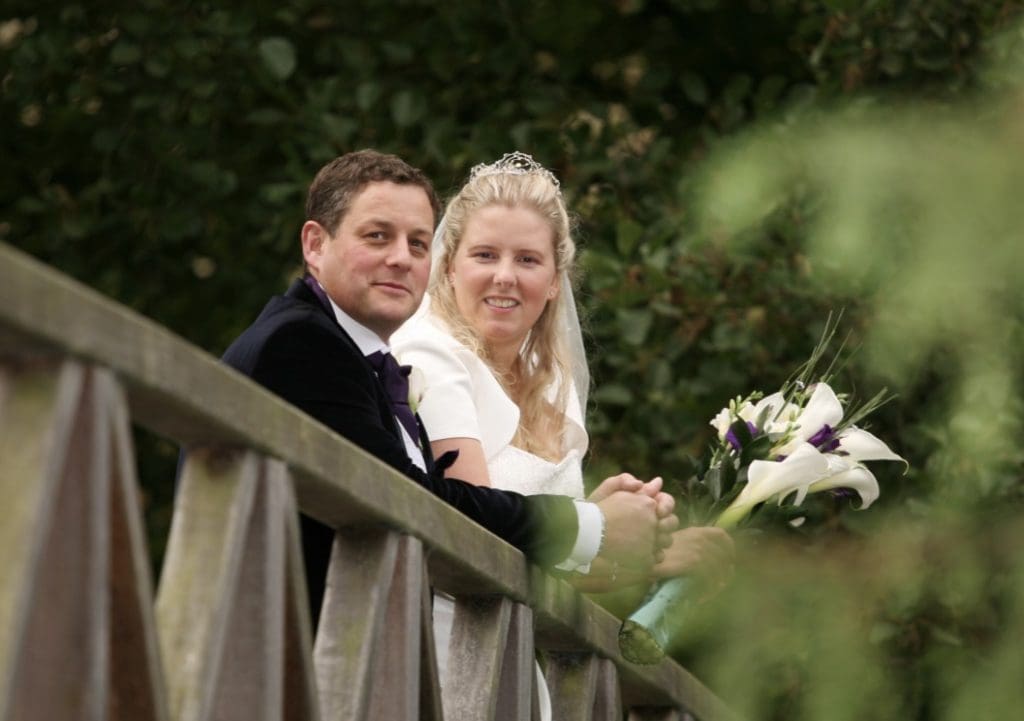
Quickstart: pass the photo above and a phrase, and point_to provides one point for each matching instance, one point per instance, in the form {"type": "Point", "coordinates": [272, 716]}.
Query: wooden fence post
{"type": "Point", "coordinates": [374, 651]}
{"type": "Point", "coordinates": [231, 606]}
{"type": "Point", "coordinates": [75, 592]}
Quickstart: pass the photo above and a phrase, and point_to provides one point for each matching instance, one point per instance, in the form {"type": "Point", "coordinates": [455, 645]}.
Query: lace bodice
{"type": "Point", "coordinates": [514, 469]}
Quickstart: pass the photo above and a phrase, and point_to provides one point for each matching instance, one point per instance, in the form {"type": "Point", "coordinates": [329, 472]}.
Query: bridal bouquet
{"type": "Point", "coordinates": [770, 452]}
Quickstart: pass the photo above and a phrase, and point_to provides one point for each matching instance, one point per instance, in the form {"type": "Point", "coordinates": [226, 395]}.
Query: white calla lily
{"type": "Point", "coordinates": [767, 480]}
{"type": "Point", "coordinates": [863, 446]}
{"type": "Point", "coordinates": [843, 472]}
{"type": "Point", "coordinates": [822, 408]}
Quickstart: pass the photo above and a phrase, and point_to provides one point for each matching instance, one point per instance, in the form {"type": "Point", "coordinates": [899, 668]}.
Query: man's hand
{"type": "Point", "coordinates": [630, 529]}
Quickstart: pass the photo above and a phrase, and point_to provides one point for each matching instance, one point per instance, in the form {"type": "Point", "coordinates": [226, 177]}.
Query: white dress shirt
{"type": "Point", "coordinates": [369, 342]}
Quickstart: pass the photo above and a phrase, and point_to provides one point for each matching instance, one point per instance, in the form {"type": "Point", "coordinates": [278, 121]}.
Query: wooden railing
{"type": "Point", "coordinates": [228, 633]}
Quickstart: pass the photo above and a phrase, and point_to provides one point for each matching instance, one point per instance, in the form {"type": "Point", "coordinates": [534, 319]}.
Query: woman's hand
{"type": "Point", "coordinates": [622, 482]}
{"type": "Point", "coordinates": [704, 552]}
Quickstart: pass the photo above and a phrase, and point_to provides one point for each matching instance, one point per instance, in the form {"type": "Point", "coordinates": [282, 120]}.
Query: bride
{"type": "Point", "coordinates": [498, 349]}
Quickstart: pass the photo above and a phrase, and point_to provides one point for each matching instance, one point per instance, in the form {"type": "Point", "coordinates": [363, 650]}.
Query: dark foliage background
{"type": "Point", "coordinates": [160, 153]}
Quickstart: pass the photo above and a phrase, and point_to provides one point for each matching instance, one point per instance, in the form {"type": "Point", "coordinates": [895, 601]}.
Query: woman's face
{"type": "Point", "coordinates": [504, 274]}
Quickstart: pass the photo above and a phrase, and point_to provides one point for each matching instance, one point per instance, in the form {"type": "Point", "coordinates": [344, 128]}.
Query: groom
{"type": "Point", "coordinates": [323, 347]}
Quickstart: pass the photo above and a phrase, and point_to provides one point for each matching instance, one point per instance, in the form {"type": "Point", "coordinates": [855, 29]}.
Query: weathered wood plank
{"type": "Point", "coordinates": [59, 659]}
{"type": "Point", "coordinates": [430, 682]}
{"type": "Point", "coordinates": [518, 676]}
{"type": "Point", "coordinates": [213, 508]}
{"type": "Point", "coordinates": [300, 699]}
{"type": "Point", "coordinates": [572, 680]}
{"type": "Point", "coordinates": [490, 672]}
{"type": "Point", "coordinates": [371, 651]}
{"type": "Point", "coordinates": [352, 616]}
{"type": "Point", "coordinates": [251, 678]}
{"type": "Point", "coordinates": [136, 677]}
{"type": "Point", "coordinates": [607, 699]}
{"type": "Point", "coordinates": [469, 687]}
{"type": "Point", "coordinates": [395, 678]}
{"type": "Point", "coordinates": [36, 414]}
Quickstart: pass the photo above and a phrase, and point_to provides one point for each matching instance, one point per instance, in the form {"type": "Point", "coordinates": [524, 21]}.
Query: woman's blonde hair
{"type": "Point", "coordinates": [543, 358]}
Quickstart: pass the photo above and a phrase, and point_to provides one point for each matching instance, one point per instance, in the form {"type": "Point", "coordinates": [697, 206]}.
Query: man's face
{"type": "Point", "coordinates": [377, 263]}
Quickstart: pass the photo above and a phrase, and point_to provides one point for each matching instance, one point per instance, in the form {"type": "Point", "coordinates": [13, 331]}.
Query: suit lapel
{"type": "Point", "coordinates": [428, 454]}
{"type": "Point", "coordinates": [300, 291]}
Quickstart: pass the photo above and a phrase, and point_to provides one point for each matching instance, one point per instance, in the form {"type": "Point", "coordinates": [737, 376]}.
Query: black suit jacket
{"type": "Point", "coordinates": [296, 349]}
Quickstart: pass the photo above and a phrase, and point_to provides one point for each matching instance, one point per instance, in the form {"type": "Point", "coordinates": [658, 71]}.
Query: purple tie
{"type": "Point", "coordinates": [396, 382]}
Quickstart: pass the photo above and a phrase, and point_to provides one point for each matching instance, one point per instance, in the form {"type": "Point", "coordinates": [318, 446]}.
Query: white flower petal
{"type": "Point", "coordinates": [770, 479]}
{"type": "Point", "coordinates": [721, 422]}
{"type": "Point", "coordinates": [748, 412]}
{"type": "Point", "coordinates": [774, 404]}
{"type": "Point", "coordinates": [863, 446]}
{"type": "Point", "coordinates": [823, 408]}
{"type": "Point", "coordinates": [858, 478]}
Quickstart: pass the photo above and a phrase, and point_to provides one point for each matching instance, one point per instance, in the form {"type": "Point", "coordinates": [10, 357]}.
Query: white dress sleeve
{"type": "Point", "coordinates": [460, 396]}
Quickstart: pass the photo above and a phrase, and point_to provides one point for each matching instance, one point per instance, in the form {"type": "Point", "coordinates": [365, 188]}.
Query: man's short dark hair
{"type": "Point", "coordinates": [338, 183]}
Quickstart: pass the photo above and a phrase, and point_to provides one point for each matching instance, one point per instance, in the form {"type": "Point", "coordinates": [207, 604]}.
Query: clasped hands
{"type": "Point", "coordinates": [643, 541]}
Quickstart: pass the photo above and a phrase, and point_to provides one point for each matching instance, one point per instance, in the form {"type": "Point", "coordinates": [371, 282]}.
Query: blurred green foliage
{"type": "Point", "coordinates": [160, 153]}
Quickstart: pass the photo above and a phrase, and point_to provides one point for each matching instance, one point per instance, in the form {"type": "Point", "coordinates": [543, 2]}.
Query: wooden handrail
{"type": "Point", "coordinates": [183, 393]}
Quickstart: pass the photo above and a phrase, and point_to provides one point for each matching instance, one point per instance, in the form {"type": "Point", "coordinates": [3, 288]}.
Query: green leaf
{"type": "Point", "coordinates": [634, 325]}
{"type": "Point", "coordinates": [756, 449]}
{"type": "Point", "coordinates": [406, 108]}
{"type": "Point", "coordinates": [278, 54]}
{"type": "Point", "coordinates": [366, 95]}
{"type": "Point", "coordinates": [266, 116]}
{"type": "Point", "coordinates": [280, 193]}
{"type": "Point", "coordinates": [737, 89]}
{"type": "Point", "coordinates": [125, 53]}
{"type": "Point", "coordinates": [627, 234]}
{"type": "Point", "coordinates": [339, 129]}
{"type": "Point", "coordinates": [882, 632]}
{"type": "Point", "coordinates": [694, 88]}
{"type": "Point", "coordinates": [948, 637]}
{"type": "Point", "coordinates": [613, 394]}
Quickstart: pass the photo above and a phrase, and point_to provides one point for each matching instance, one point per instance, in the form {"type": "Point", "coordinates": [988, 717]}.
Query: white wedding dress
{"type": "Point", "coordinates": [514, 469]}
{"type": "Point", "coordinates": [457, 396]}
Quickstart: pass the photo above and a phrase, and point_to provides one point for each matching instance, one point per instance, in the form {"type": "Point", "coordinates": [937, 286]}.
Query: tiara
{"type": "Point", "coordinates": [514, 163]}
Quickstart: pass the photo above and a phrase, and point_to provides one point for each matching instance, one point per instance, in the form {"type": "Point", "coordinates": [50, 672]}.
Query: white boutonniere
{"type": "Point", "coordinates": [417, 386]}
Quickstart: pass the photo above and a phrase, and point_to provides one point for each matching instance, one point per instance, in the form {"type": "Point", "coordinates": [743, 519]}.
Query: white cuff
{"type": "Point", "coordinates": [588, 538]}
